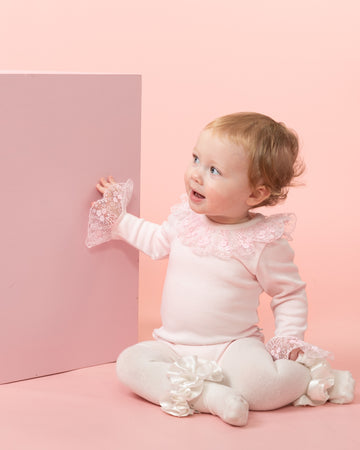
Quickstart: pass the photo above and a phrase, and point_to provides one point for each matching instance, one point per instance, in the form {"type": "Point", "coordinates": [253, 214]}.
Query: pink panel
{"type": "Point", "coordinates": [63, 306]}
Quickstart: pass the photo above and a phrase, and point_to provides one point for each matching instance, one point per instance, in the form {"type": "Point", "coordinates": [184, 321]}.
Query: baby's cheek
{"type": "Point", "coordinates": [217, 191]}
{"type": "Point", "coordinates": [186, 178]}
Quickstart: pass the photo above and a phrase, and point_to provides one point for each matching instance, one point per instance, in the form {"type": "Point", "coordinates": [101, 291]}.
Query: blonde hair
{"type": "Point", "coordinates": [272, 150]}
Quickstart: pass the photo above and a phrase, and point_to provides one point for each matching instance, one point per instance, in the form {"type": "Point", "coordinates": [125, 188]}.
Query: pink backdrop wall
{"type": "Point", "coordinates": [297, 61]}
{"type": "Point", "coordinates": [62, 305]}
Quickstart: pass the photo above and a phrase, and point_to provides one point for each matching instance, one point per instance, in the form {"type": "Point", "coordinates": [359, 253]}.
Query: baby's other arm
{"type": "Point", "coordinates": [279, 277]}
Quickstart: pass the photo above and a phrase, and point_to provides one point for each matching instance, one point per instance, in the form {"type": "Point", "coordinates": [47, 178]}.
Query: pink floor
{"type": "Point", "coordinates": [89, 409]}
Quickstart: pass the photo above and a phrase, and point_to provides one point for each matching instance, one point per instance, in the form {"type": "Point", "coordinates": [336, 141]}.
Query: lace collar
{"type": "Point", "coordinates": [228, 241]}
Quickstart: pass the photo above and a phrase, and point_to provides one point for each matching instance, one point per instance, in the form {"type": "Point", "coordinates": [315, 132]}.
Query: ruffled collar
{"type": "Point", "coordinates": [228, 241]}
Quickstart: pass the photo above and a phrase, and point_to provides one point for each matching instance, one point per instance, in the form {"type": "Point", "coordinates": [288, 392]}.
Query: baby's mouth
{"type": "Point", "coordinates": [197, 195]}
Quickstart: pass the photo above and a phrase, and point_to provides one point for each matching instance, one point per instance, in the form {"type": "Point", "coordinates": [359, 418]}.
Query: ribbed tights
{"type": "Point", "coordinates": [252, 380]}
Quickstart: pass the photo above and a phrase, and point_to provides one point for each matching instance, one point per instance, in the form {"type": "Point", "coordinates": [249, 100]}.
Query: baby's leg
{"type": "Point", "coordinates": [145, 368]}
{"type": "Point", "coordinates": [265, 384]}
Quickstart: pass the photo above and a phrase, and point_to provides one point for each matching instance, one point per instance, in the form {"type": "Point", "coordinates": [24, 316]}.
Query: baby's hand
{"type": "Point", "coordinates": [295, 353]}
{"type": "Point", "coordinates": [104, 184]}
{"type": "Point", "coordinates": [107, 211]}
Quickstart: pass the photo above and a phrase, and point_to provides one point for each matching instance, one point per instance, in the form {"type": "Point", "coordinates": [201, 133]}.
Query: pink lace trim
{"type": "Point", "coordinates": [106, 211]}
{"type": "Point", "coordinates": [280, 347]}
{"type": "Point", "coordinates": [205, 239]}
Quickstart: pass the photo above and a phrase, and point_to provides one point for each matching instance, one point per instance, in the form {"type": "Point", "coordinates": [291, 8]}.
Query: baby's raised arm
{"type": "Point", "coordinates": [108, 219]}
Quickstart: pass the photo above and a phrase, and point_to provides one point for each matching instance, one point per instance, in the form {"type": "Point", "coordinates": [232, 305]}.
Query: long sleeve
{"type": "Point", "coordinates": [279, 277]}
{"type": "Point", "coordinates": [150, 238]}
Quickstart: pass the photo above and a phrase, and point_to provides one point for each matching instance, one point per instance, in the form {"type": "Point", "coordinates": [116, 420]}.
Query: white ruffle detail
{"type": "Point", "coordinates": [343, 389]}
{"type": "Point", "coordinates": [187, 376]}
{"type": "Point", "coordinates": [322, 380]}
{"type": "Point", "coordinates": [280, 347]}
{"type": "Point", "coordinates": [195, 230]}
{"type": "Point", "coordinates": [106, 211]}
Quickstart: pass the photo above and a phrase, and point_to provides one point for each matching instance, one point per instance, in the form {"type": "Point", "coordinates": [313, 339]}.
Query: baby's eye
{"type": "Point", "coordinates": [214, 171]}
{"type": "Point", "coordinates": [195, 159]}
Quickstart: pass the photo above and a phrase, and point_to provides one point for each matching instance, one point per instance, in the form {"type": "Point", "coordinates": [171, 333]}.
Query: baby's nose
{"type": "Point", "coordinates": [196, 175]}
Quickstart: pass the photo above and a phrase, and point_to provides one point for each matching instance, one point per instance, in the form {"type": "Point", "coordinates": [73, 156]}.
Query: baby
{"type": "Point", "coordinates": [208, 356]}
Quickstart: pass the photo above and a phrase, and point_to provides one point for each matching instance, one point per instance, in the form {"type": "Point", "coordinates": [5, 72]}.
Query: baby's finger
{"type": "Point", "coordinates": [104, 182]}
{"type": "Point", "coordinates": [295, 353]}
{"type": "Point", "coordinates": [100, 188]}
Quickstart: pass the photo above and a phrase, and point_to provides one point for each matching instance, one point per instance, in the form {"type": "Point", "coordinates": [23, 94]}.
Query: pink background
{"type": "Point", "coordinates": [296, 61]}
{"type": "Point", "coordinates": [64, 306]}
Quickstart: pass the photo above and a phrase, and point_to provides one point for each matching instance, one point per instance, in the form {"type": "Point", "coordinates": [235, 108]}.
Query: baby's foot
{"type": "Point", "coordinates": [343, 389]}
{"type": "Point", "coordinates": [322, 379]}
{"type": "Point", "coordinates": [235, 410]}
{"type": "Point", "coordinates": [224, 402]}
{"type": "Point", "coordinates": [327, 384]}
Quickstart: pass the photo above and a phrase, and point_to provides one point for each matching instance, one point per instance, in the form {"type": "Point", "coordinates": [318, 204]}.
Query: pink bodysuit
{"type": "Point", "coordinates": [216, 273]}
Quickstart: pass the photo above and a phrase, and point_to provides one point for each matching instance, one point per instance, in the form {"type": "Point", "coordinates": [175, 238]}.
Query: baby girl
{"type": "Point", "coordinates": [209, 356]}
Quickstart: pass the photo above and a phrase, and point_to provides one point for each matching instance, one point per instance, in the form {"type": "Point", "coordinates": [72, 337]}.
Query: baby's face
{"type": "Point", "coordinates": [216, 180]}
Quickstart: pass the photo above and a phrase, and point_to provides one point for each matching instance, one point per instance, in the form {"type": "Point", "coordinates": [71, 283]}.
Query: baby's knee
{"type": "Point", "coordinates": [126, 362]}
{"type": "Point", "coordinates": [134, 361]}
{"type": "Point", "coordinates": [288, 383]}
{"type": "Point", "coordinates": [275, 389]}
{"type": "Point", "coordinates": [291, 370]}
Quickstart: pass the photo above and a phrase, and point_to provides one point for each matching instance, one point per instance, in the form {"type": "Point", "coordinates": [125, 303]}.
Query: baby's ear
{"type": "Point", "coordinates": [259, 194]}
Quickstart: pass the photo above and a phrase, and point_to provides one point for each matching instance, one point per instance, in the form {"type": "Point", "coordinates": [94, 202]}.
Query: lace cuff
{"type": "Point", "coordinates": [187, 376]}
{"type": "Point", "coordinates": [280, 347]}
{"type": "Point", "coordinates": [107, 211]}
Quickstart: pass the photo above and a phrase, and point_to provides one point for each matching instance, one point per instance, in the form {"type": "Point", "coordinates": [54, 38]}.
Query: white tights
{"type": "Point", "coordinates": [252, 380]}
